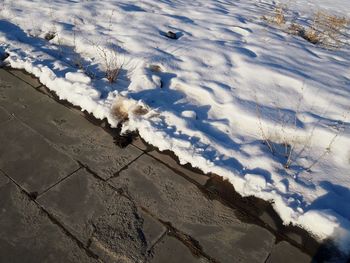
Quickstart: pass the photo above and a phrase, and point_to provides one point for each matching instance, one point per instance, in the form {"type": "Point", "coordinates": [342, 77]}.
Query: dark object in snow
{"type": "Point", "coordinates": [50, 35]}
{"type": "Point", "coordinates": [171, 35]}
{"type": "Point", "coordinates": [4, 56]}
{"type": "Point", "coordinates": [155, 68]}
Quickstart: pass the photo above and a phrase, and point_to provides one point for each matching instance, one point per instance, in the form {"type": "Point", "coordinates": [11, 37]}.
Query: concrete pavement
{"type": "Point", "coordinates": [68, 193]}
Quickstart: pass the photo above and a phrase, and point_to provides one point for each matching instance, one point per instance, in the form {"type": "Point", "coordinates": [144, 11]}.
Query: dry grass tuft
{"type": "Point", "coordinates": [112, 73]}
{"type": "Point", "coordinates": [111, 59]}
{"type": "Point", "coordinates": [111, 63]}
{"type": "Point", "coordinates": [330, 22]}
{"type": "Point", "coordinates": [139, 111]}
{"type": "Point", "coordinates": [278, 16]}
{"type": "Point", "coordinates": [296, 29]}
{"type": "Point", "coordinates": [311, 36]}
{"type": "Point", "coordinates": [120, 111]}
{"type": "Point", "coordinates": [326, 29]}
{"type": "Point", "coordinates": [288, 143]}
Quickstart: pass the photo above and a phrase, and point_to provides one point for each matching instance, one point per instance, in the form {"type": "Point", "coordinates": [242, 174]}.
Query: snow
{"type": "Point", "coordinates": [210, 93]}
{"type": "Point", "coordinates": [79, 77]}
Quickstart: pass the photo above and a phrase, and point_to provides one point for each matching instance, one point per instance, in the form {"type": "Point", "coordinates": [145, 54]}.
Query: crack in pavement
{"type": "Point", "coordinates": [191, 243]}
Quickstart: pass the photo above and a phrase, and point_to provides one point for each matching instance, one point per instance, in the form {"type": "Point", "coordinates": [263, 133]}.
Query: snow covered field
{"type": "Point", "coordinates": [234, 95]}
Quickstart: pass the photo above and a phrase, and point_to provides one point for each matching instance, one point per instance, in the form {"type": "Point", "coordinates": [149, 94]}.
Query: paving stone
{"type": "Point", "coordinates": [4, 116]}
{"type": "Point", "coordinates": [152, 229]}
{"type": "Point", "coordinates": [102, 156]}
{"type": "Point", "coordinates": [78, 137]}
{"type": "Point", "coordinates": [286, 253]}
{"type": "Point", "coordinates": [97, 215]}
{"type": "Point", "coordinates": [3, 180]}
{"type": "Point", "coordinates": [295, 237]}
{"type": "Point", "coordinates": [140, 144]}
{"type": "Point", "coordinates": [197, 177]}
{"type": "Point", "coordinates": [30, 160]}
{"type": "Point", "coordinates": [27, 235]}
{"type": "Point", "coordinates": [217, 228]}
{"type": "Point", "coordinates": [15, 94]}
{"type": "Point", "coordinates": [57, 123]}
{"type": "Point", "coordinates": [269, 220]}
{"type": "Point", "coordinates": [171, 250]}
{"type": "Point", "coordinates": [31, 80]}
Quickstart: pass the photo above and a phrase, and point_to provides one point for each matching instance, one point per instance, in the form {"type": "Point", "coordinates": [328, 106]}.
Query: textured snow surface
{"type": "Point", "coordinates": [230, 79]}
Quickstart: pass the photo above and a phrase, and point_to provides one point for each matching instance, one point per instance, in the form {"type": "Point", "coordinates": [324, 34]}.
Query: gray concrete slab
{"type": "Point", "coordinates": [197, 177]}
{"type": "Point", "coordinates": [75, 135]}
{"type": "Point", "coordinates": [16, 95]}
{"type": "Point", "coordinates": [30, 160]}
{"type": "Point", "coordinates": [3, 179]}
{"type": "Point", "coordinates": [58, 123]}
{"type": "Point", "coordinates": [99, 216]}
{"type": "Point", "coordinates": [4, 116]}
{"type": "Point", "coordinates": [269, 220]}
{"type": "Point", "coordinates": [137, 141]}
{"type": "Point", "coordinates": [171, 250]}
{"type": "Point", "coordinates": [31, 80]}
{"type": "Point", "coordinates": [102, 155]}
{"type": "Point", "coordinates": [152, 229]}
{"type": "Point", "coordinates": [27, 235]}
{"type": "Point", "coordinates": [221, 234]}
{"type": "Point", "coordinates": [286, 253]}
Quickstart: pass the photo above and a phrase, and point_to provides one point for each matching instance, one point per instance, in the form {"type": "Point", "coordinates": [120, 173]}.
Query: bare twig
{"type": "Point", "coordinates": [262, 132]}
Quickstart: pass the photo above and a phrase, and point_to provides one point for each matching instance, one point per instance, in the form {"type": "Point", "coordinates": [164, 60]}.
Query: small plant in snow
{"type": "Point", "coordinates": [139, 110]}
{"type": "Point", "coordinates": [111, 58]}
{"type": "Point", "coordinates": [325, 29]}
{"type": "Point", "coordinates": [287, 142]}
{"type": "Point", "coordinates": [296, 29]}
{"type": "Point", "coordinates": [123, 108]}
{"type": "Point", "coordinates": [278, 16]}
{"type": "Point", "coordinates": [120, 110]}
{"type": "Point", "coordinates": [111, 63]}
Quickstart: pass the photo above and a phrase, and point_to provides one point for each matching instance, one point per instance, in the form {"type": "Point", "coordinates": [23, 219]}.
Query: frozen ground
{"type": "Point", "coordinates": [212, 96]}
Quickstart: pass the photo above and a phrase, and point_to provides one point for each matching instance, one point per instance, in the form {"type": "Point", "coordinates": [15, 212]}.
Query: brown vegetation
{"type": "Point", "coordinates": [324, 29]}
